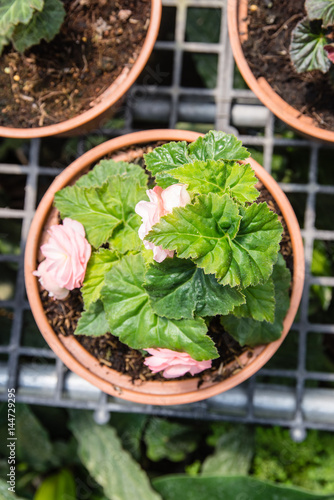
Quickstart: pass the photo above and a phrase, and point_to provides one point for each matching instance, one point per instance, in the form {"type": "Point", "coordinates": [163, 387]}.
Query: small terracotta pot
{"type": "Point", "coordinates": [237, 11]}
{"type": "Point", "coordinates": [97, 115]}
{"type": "Point", "coordinates": [108, 380]}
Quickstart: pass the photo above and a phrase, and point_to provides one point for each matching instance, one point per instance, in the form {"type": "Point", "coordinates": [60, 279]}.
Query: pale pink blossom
{"type": "Point", "coordinates": [47, 282]}
{"type": "Point", "coordinates": [162, 202]}
{"type": "Point", "coordinates": [174, 364]}
{"type": "Point", "coordinates": [66, 255]}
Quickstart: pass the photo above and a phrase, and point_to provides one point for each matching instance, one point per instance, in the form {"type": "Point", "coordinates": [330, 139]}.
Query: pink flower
{"type": "Point", "coordinates": [329, 49]}
{"type": "Point", "coordinates": [162, 202]}
{"type": "Point", "coordinates": [67, 253]}
{"type": "Point", "coordinates": [174, 364]}
{"type": "Point", "coordinates": [47, 282]}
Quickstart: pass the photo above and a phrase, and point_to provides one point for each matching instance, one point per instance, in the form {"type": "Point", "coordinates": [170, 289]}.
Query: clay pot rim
{"type": "Point", "coordinates": [107, 99]}
{"type": "Point", "coordinates": [238, 27]}
{"type": "Point", "coordinates": [76, 357]}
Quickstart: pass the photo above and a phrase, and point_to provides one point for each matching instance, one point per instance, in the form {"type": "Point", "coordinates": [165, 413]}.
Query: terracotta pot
{"type": "Point", "coordinates": [84, 364]}
{"type": "Point", "coordinates": [237, 11]}
{"type": "Point", "coordinates": [97, 115]}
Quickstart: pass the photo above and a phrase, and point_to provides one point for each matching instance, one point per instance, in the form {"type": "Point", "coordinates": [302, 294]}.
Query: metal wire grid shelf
{"type": "Point", "coordinates": [289, 395]}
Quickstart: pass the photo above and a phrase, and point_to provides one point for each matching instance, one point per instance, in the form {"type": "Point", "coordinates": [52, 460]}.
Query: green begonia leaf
{"type": "Point", "coordinates": [102, 209]}
{"type": "Point", "coordinates": [178, 289]}
{"type": "Point", "coordinates": [239, 252]}
{"type": "Point", "coordinates": [98, 265]}
{"type": "Point", "coordinates": [93, 321]}
{"type": "Point", "coordinates": [183, 487]}
{"type": "Point", "coordinates": [43, 25]}
{"type": "Point", "coordinates": [5, 37]}
{"type": "Point", "coordinates": [125, 236]}
{"type": "Point", "coordinates": [307, 47]}
{"type": "Point", "coordinates": [260, 302]}
{"type": "Point", "coordinates": [251, 332]}
{"type": "Point", "coordinates": [321, 9]}
{"type": "Point", "coordinates": [132, 319]}
{"type": "Point", "coordinates": [107, 462]}
{"type": "Point", "coordinates": [216, 145]}
{"type": "Point", "coordinates": [13, 12]}
{"type": "Point", "coordinates": [164, 158]}
{"type": "Point", "coordinates": [106, 168]}
{"type": "Point", "coordinates": [213, 146]}
{"type": "Point", "coordinates": [234, 451]}
{"type": "Point", "coordinates": [221, 177]}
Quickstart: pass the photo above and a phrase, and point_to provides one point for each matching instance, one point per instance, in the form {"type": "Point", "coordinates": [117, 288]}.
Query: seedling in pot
{"type": "Point", "coordinates": [312, 41]}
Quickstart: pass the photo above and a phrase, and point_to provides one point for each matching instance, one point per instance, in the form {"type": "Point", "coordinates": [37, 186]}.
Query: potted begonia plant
{"type": "Point", "coordinates": [284, 51]}
{"type": "Point", "coordinates": [158, 255]}
{"type": "Point", "coordinates": [65, 64]}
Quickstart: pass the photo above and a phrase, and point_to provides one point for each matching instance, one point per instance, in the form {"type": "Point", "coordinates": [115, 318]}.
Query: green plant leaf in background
{"type": "Point", "coordinates": [208, 232]}
{"type": "Point", "coordinates": [10, 235]}
{"type": "Point", "coordinates": [98, 265]}
{"type": "Point", "coordinates": [321, 266]}
{"type": "Point", "coordinates": [206, 67]}
{"type": "Point", "coordinates": [308, 464]}
{"type": "Point", "coordinates": [132, 319]}
{"type": "Point", "coordinates": [59, 486]}
{"type": "Point", "coordinates": [260, 302]}
{"type": "Point", "coordinates": [102, 209]}
{"type": "Point", "coordinates": [43, 25]}
{"type": "Point", "coordinates": [203, 25]}
{"type": "Point", "coordinates": [234, 451]}
{"type": "Point", "coordinates": [93, 321]}
{"type": "Point", "coordinates": [204, 177]}
{"type": "Point", "coordinates": [106, 168]}
{"type": "Point", "coordinates": [107, 462]}
{"type": "Point", "coordinates": [321, 9]}
{"type": "Point", "coordinates": [33, 444]}
{"type": "Point", "coordinates": [130, 428]}
{"type": "Point", "coordinates": [228, 488]}
{"type": "Point", "coordinates": [251, 332]}
{"type": "Point", "coordinates": [5, 494]}
{"type": "Point", "coordinates": [193, 469]}
{"type": "Point", "coordinates": [171, 440]}
{"type": "Point", "coordinates": [164, 158]}
{"type": "Point", "coordinates": [307, 47]}
{"type": "Point", "coordinates": [178, 289]}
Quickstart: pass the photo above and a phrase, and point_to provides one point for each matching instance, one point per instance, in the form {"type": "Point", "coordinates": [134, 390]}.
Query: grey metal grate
{"type": "Point", "coordinates": [296, 388]}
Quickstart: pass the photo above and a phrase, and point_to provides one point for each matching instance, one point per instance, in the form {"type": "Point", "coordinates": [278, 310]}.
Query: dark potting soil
{"type": "Point", "coordinates": [267, 52]}
{"type": "Point", "coordinates": [55, 81]}
{"type": "Point", "coordinates": [63, 316]}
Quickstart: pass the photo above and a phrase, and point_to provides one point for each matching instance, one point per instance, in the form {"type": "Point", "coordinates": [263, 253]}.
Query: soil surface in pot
{"type": "Point", "coordinates": [56, 81]}
{"type": "Point", "coordinates": [267, 52]}
{"type": "Point", "coordinates": [63, 316]}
